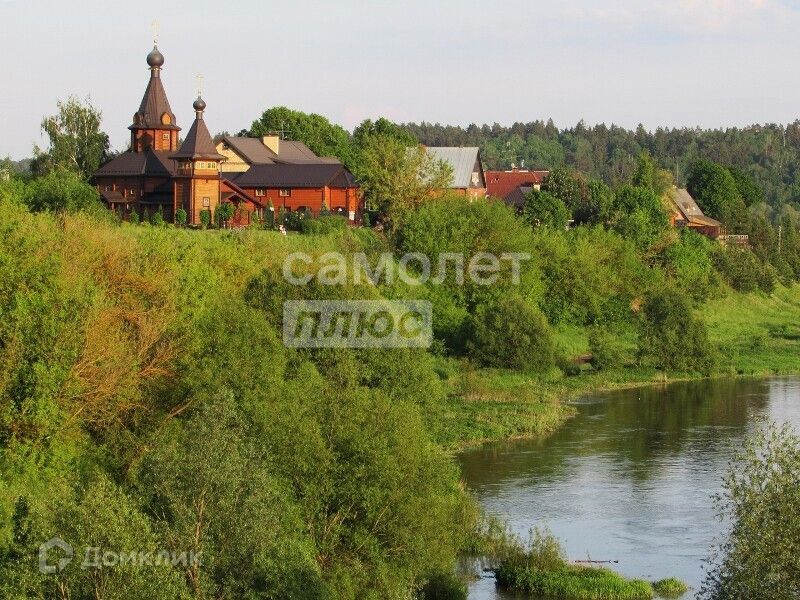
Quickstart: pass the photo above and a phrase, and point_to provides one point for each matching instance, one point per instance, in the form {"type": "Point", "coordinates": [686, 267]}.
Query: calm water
{"type": "Point", "coordinates": [631, 477]}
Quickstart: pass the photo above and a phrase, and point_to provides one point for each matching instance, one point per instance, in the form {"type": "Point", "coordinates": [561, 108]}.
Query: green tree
{"type": "Point", "coordinates": [395, 178]}
{"type": "Point", "coordinates": [205, 218]}
{"type": "Point", "coordinates": [716, 192]}
{"type": "Point", "coordinates": [61, 191]}
{"type": "Point", "coordinates": [543, 209]}
{"type": "Point", "coordinates": [761, 493]}
{"type": "Point", "coordinates": [671, 337]}
{"type": "Point", "coordinates": [513, 334]}
{"type": "Point", "coordinates": [225, 211]}
{"type": "Point", "coordinates": [76, 142]}
{"type": "Point", "coordinates": [564, 184]}
{"type": "Point", "coordinates": [315, 131]}
{"type": "Point", "coordinates": [751, 192]}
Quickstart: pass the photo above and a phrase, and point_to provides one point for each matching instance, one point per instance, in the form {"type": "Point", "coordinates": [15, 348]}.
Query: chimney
{"type": "Point", "coordinates": [273, 142]}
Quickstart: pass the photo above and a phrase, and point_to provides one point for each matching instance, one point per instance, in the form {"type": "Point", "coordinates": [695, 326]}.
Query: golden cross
{"type": "Point", "coordinates": [155, 26]}
{"type": "Point", "coordinates": [199, 78]}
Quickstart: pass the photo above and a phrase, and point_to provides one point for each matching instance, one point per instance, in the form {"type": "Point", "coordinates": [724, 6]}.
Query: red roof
{"type": "Point", "coordinates": [500, 184]}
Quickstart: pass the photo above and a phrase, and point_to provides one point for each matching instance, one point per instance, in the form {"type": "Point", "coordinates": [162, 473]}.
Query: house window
{"type": "Point", "coordinates": [133, 192]}
{"type": "Point", "coordinates": [286, 192]}
{"type": "Point", "coordinates": [108, 188]}
{"type": "Point", "coordinates": [206, 201]}
{"type": "Point", "coordinates": [260, 192]}
{"type": "Point", "coordinates": [165, 136]}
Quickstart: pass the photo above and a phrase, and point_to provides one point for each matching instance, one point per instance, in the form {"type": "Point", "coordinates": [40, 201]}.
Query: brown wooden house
{"type": "Point", "coordinates": [155, 175]}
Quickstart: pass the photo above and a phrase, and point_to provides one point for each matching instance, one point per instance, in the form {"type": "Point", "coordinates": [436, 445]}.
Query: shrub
{"type": "Point", "coordinates": [670, 587]}
{"type": "Point", "coordinates": [743, 271]}
{"type": "Point", "coordinates": [671, 337]}
{"type": "Point", "coordinates": [133, 219]}
{"type": "Point", "coordinates": [323, 225]}
{"type": "Point", "coordinates": [444, 586]}
{"type": "Point", "coordinates": [157, 218]}
{"type": "Point", "coordinates": [513, 334]}
{"type": "Point", "coordinates": [180, 217]}
{"type": "Point", "coordinates": [606, 348]}
{"type": "Point", "coordinates": [293, 220]}
{"type": "Point", "coordinates": [366, 221]}
{"type": "Point", "coordinates": [761, 493]}
{"type": "Point", "coordinates": [61, 191]}
{"type": "Point", "coordinates": [205, 218]}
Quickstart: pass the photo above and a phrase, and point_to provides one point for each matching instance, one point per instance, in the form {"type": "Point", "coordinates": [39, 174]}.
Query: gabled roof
{"type": "Point", "coordinates": [153, 106]}
{"type": "Point", "coordinates": [198, 143]}
{"type": "Point", "coordinates": [499, 184]}
{"type": "Point", "coordinates": [230, 190]}
{"type": "Point", "coordinates": [254, 152]}
{"type": "Point", "coordinates": [517, 196]}
{"type": "Point", "coordinates": [309, 175]}
{"type": "Point", "coordinates": [150, 162]}
{"type": "Point", "coordinates": [689, 210]}
{"type": "Point", "coordinates": [462, 160]}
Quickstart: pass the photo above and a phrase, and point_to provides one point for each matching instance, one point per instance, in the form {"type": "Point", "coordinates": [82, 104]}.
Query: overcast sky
{"type": "Point", "coordinates": [712, 63]}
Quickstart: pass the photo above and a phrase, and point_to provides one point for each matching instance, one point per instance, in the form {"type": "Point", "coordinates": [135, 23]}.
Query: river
{"type": "Point", "coordinates": [631, 477]}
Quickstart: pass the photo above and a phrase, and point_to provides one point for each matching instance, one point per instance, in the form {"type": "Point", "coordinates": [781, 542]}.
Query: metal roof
{"type": "Point", "coordinates": [153, 106]}
{"type": "Point", "coordinates": [254, 152]}
{"type": "Point", "coordinates": [150, 162]}
{"type": "Point", "coordinates": [198, 143]}
{"type": "Point", "coordinates": [689, 209]}
{"type": "Point", "coordinates": [462, 160]}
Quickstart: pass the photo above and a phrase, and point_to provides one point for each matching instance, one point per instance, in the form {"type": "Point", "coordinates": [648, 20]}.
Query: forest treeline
{"type": "Point", "coordinates": [770, 153]}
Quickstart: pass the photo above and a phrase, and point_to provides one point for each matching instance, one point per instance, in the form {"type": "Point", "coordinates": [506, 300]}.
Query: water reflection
{"type": "Point", "coordinates": [630, 477]}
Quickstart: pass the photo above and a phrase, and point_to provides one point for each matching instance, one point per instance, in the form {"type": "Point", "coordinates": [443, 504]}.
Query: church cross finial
{"type": "Point", "coordinates": [199, 78]}
{"type": "Point", "coordinates": [155, 26]}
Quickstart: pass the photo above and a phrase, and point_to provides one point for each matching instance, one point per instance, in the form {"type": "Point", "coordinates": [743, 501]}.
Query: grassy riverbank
{"type": "Point", "coordinates": [756, 334]}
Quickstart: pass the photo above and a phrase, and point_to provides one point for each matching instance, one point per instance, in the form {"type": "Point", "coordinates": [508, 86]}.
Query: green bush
{"type": "Point", "coordinates": [670, 587]}
{"type": "Point", "coordinates": [181, 217]}
{"type": "Point", "coordinates": [133, 218]}
{"type": "Point", "coordinates": [323, 225]}
{"type": "Point", "coordinates": [743, 271]}
{"type": "Point", "coordinates": [607, 349]}
{"type": "Point", "coordinates": [671, 337]}
{"type": "Point", "coordinates": [205, 219]}
{"type": "Point", "coordinates": [443, 586]}
{"type": "Point", "coordinates": [511, 333]}
{"type": "Point", "coordinates": [157, 218]}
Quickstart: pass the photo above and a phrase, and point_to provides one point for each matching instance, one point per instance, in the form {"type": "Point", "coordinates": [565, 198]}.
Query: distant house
{"type": "Point", "coordinates": [241, 153]}
{"type": "Point", "coordinates": [469, 178]}
{"type": "Point", "coordinates": [512, 186]}
{"type": "Point", "coordinates": [299, 187]}
{"type": "Point", "coordinates": [686, 213]}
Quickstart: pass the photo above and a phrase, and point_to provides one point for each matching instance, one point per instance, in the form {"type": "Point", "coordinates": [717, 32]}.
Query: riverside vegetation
{"type": "Point", "coordinates": [147, 402]}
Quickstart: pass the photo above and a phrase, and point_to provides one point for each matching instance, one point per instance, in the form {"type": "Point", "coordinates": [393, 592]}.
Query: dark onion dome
{"type": "Point", "coordinates": [199, 104]}
{"type": "Point", "coordinates": [155, 58]}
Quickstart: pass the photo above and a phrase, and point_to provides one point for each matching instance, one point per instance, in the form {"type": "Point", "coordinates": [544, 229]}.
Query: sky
{"type": "Point", "coordinates": [709, 63]}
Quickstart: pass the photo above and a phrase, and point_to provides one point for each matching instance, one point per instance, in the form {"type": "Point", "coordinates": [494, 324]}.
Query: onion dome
{"type": "Point", "coordinates": [155, 58]}
{"type": "Point", "coordinates": [199, 104]}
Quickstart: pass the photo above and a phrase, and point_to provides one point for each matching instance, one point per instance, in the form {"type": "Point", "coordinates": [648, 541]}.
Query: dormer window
{"type": "Point", "coordinates": [260, 192]}
{"type": "Point", "coordinates": [166, 119]}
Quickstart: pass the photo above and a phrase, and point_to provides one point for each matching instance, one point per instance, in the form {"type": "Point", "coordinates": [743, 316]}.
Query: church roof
{"type": "Point", "coordinates": [150, 162]}
{"type": "Point", "coordinates": [198, 143]}
{"type": "Point", "coordinates": [154, 103]}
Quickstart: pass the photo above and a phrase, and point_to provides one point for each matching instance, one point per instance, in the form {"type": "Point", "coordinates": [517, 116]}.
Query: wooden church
{"type": "Point", "coordinates": [156, 174]}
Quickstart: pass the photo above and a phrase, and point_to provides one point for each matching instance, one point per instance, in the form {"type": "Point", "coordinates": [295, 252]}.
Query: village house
{"type": "Point", "coordinates": [469, 178]}
{"type": "Point", "coordinates": [512, 186]}
{"type": "Point", "coordinates": [156, 174]}
{"type": "Point", "coordinates": [686, 213]}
